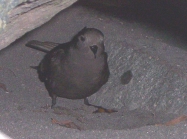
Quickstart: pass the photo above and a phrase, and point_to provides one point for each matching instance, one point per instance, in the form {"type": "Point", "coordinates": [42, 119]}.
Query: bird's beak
{"type": "Point", "coordinates": [94, 49]}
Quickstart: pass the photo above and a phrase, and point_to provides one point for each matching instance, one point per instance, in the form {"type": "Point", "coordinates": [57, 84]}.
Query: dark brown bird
{"type": "Point", "coordinates": [76, 69]}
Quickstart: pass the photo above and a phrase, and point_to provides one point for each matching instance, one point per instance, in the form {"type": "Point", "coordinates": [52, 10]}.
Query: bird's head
{"type": "Point", "coordinates": [90, 42]}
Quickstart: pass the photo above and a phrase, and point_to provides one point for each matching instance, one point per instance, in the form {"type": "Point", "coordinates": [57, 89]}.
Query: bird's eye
{"type": "Point", "coordinates": [82, 38]}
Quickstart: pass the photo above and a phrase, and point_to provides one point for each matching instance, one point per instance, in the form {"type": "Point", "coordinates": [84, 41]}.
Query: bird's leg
{"type": "Point", "coordinates": [53, 100]}
{"type": "Point", "coordinates": [99, 108]}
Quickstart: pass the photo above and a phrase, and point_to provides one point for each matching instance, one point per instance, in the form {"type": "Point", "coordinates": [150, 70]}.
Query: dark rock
{"type": "Point", "coordinates": [126, 77]}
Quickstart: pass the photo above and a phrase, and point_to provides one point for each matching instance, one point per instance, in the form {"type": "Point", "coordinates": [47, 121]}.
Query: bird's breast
{"type": "Point", "coordinates": [79, 78]}
{"type": "Point", "coordinates": [85, 71]}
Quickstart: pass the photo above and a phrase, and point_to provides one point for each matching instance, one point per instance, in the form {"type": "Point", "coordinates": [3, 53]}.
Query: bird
{"type": "Point", "coordinates": [76, 69]}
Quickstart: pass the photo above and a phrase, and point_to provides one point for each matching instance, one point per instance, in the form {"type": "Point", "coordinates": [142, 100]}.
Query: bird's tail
{"type": "Point", "coordinates": [41, 46]}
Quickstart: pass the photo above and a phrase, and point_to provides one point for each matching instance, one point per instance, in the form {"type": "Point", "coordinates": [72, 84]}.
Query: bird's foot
{"type": "Point", "coordinates": [99, 108]}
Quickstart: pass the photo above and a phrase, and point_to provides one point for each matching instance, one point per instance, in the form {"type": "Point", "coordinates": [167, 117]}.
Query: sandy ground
{"type": "Point", "coordinates": [25, 111]}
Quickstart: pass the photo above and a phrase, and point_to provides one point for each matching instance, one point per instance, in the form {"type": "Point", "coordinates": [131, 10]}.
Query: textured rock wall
{"type": "Point", "coordinates": [20, 16]}
{"type": "Point", "coordinates": [5, 7]}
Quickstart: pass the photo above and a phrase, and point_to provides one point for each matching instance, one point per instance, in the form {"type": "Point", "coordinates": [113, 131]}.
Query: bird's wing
{"type": "Point", "coordinates": [51, 60]}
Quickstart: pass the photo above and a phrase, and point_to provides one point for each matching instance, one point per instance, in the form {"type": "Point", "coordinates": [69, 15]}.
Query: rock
{"type": "Point", "coordinates": [26, 16]}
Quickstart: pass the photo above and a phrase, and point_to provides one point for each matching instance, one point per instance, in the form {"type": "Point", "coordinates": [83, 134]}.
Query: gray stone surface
{"type": "Point", "coordinates": [156, 93]}
{"type": "Point", "coordinates": [159, 76]}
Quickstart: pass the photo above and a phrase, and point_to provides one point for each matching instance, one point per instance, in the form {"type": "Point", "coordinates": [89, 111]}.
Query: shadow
{"type": "Point", "coordinates": [164, 15]}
